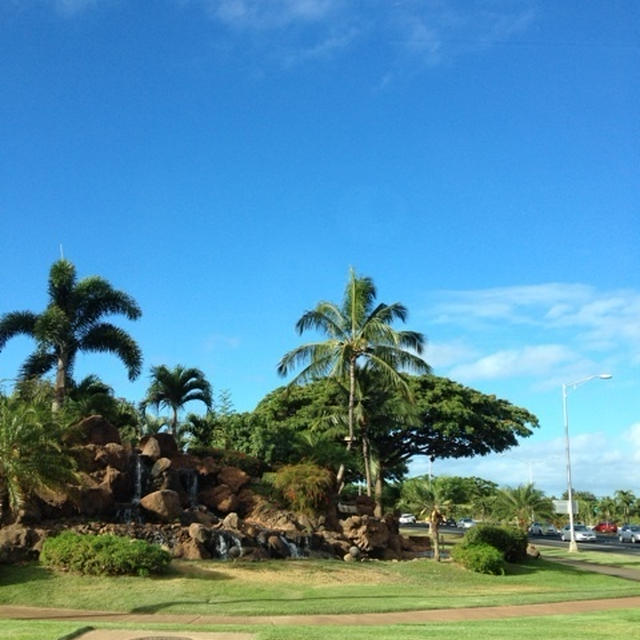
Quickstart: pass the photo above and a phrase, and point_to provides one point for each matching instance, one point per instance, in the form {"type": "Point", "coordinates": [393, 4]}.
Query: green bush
{"type": "Point", "coordinates": [479, 557]}
{"type": "Point", "coordinates": [512, 542]}
{"type": "Point", "coordinates": [306, 487]}
{"type": "Point", "coordinates": [103, 555]}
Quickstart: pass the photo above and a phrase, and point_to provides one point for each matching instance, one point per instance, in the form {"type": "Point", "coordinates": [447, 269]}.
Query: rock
{"type": "Point", "coordinates": [96, 430]}
{"type": "Point", "coordinates": [355, 552]}
{"type": "Point", "coordinates": [151, 449]}
{"type": "Point", "coordinates": [207, 466]}
{"type": "Point", "coordinates": [231, 521]}
{"type": "Point", "coordinates": [113, 455]}
{"type": "Point", "coordinates": [277, 547]}
{"type": "Point", "coordinates": [19, 543]}
{"type": "Point", "coordinates": [117, 484]}
{"type": "Point", "coordinates": [367, 533]}
{"type": "Point", "coordinates": [198, 532]}
{"type": "Point", "coordinates": [166, 442]}
{"type": "Point", "coordinates": [194, 550]}
{"type": "Point", "coordinates": [267, 516]}
{"type": "Point", "coordinates": [234, 478]}
{"type": "Point", "coordinates": [95, 501]}
{"type": "Point", "coordinates": [533, 551]}
{"type": "Point", "coordinates": [220, 498]}
{"type": "Point", "coordinates": [349, 558]}
{"type": "Point", "coordinates": [365, 505]}
{"type": "Point", "coordinates": [160, 466]}
{"type": "Point", "coordinates": [163, 505]}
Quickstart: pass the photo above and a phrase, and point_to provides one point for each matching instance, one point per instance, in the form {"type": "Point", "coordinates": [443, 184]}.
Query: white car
{"type": "Point", "coordinates": [407, 518]}
{"type": "Point", "coordinates": [541, 529]}
{"type": "Point", "coordinates": [466, 523]}
{"type": "Point", "coordinates": [629, 533]}
{"type": "Point", "coordinates": [581, 533]}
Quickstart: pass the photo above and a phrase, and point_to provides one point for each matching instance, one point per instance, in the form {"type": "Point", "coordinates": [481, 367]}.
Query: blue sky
{"type": "Point", "coordinates": [227, 161]}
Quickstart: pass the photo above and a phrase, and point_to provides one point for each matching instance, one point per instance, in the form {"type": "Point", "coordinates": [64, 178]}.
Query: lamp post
{"type": "Point", "coordinates": [572, 386]}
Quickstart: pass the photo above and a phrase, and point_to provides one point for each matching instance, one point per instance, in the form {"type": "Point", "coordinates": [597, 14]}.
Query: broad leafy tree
{"type": "Point", "coordinates": [173, 388]}
{"type": "Point", "coordinates": [358, 335]}
{"type": "Point", "coordinates": [73, 322]}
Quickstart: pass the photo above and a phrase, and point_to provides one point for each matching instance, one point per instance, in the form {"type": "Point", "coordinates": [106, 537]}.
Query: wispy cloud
{"type": "Point", "coordinates": [540, 330]}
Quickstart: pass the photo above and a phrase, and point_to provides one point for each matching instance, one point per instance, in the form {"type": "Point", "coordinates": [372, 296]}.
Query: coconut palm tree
{"type": "Point", "coordinates": [71, 323]}
{"type": "Point", "coordinates": [522, 504]}
{"type": "Point", "coordinates": [625, 499]}
{"type": "Point", "coordinates": [31, 454]}
{"type": "Point", "coordinates": [359, 336]}
{"type": "Point", "coordinates": [173, 388]}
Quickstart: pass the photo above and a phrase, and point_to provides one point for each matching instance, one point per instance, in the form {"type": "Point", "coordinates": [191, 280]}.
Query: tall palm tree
{"type": "Point", "coordinates": [173, 388]}
{"type": "Point", "coordinates": [625, 499]}
{"type": "Point", "coordinates": [522, 504]}
{"type": "Point", "coordinates": [359, 336]}
{"type": "Point", "coordinates": [71, 323]}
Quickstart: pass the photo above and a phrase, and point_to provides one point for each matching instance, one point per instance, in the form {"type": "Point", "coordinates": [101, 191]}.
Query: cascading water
{"type": "Point", "coordinates": [189, 481]}
{"type": "Point", "coordinates": [227, 545]}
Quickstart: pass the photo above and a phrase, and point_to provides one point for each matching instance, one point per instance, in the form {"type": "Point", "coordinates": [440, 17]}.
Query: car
{"type": "Point", "coordinates": [629, 533]}
{"type": "Point", "coordinates": [465, 523]}
{"type": "Point", "coordinates": [542, 529]}
{"type": "Point", "coordinates": [407, 518]}
{"type": "Point", "coordinates": [448, 522]}
{"type": "Point", "coordinates": [606, 527]}
{"type": "Point", "coordinates": [581, 533]}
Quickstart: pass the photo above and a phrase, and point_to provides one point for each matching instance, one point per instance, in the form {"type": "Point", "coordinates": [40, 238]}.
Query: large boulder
{"type": "Point", "coordinates": [234, 478]}
{"type": "Point", "coordinates": [19, 543]}
{"type": "Point", "coordinates": [162, 505]}
{"type": "Point", "coordinates": [150, 448]}
{"type": "Point", "coordinates": [367, 533]}
{"type": "Point", "coordinates": [219, 498]}
{"type": "Point", "coordinates": [166, 442]}
{"type": "Point", "coordinates": [113, 455]}
{"type": "Point", "coordinates": [96, 430]}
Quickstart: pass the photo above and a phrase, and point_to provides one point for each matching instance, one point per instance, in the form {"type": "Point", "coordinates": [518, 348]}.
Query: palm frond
{"type": "Point", "coordinates": [106, 337]}
{"type": "Point", "coordinates": [16, 323]}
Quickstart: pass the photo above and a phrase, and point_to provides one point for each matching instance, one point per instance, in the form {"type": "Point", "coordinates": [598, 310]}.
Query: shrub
{"type": "Point", "coordinates": [103, 555]}
{"type": "Point", "coordinates": [479, 557]}
{"type": "Point", "coordinates": [512, 542]}
{"type": "Point", "coordinates": [306, 487]}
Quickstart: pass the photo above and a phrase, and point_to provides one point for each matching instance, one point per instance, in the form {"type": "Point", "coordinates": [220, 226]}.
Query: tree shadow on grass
{"type": "Point", "coordinates": [23, 573]}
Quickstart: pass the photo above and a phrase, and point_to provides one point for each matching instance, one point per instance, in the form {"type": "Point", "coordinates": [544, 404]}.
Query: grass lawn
{"type": "Point", "coordinates": [631, 561]}
{"type": "Point", "coordinates": [306, 587]}
{"type": "Point", "coordinates": [589, 626]}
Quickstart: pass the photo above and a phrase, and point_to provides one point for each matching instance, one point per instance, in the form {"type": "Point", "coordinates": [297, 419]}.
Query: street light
{"type": "Point", "coordinates": [572, 386]}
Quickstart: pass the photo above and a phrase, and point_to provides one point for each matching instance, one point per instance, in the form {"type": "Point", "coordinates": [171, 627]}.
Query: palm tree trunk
{"type": "Point", "coordinates": [61, 380]}
{"type": "Point", "coordinates": [367, 465]}
{"type": "Point", "coordinates": [174, 421]}
{"type": "Point", "coordinates": [378, 491]}
{"type": "Point", "coordinates": [434, 524]}
{"type": "Point", "coordinates": [352, 401]}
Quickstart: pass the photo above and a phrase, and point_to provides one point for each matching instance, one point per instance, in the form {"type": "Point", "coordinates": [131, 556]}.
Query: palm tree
{"type": "Point", "coordinates": [173, 388]}
{"type": "Point", "coordinates": [31, 454]}
{"type": "Point", "coordinates": [625, 499]}
{"type": "Point", "coordinates": [71, 323]}
{"type": "Point", "coordinates": [522, 504]}
{"type": "Point", "coordinates": [429, 498]}
{"type": "Point", "coordinates": [357, 332]}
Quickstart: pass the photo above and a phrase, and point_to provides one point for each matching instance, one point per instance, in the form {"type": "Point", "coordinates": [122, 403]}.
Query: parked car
{"type": "Point", "coordinates": [550, 530]}
{"type": "Point", "coordinates": [407, 518]}
{"type": "Point", "coordinates": [629, 533]}
{"type": "Point", "coordinates": [448, 522]}
{"type": "Point", "coordinates": [581, 533]}
{"type": "Point", "coordinates": [606, 527]}
{"type": "Point", "coordinates": [465, 523]}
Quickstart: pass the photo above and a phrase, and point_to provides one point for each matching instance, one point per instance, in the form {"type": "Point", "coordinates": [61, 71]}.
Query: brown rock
{"type": "Point", "coordinates": [194, 550]}
{"type": "Point", "coordinates": [151, 448]}
{"type": "Point", "coordinates": [367, 533]}
{"type": "Point", "coordinates": [231, 521]}
{"type": "Point", "coordinates": [198, 532]}
{"type": "Point", "coordinates": [95, 501]}
{"type": "Point", "coordinates": [96, 430]}
{"type": "Point", "coordinates": [277, 547]}
{"type": "Point", "coordinates": [163, 505]}
{"type": "Point", "coordinates": [207, 466]}
{"type": "Point", "coordinates": [166, 442]}
{"type": "Point", "coordinates": [160, 466]}
{"type": "Point", "coordinates": [114, 455]}
{"type": "Point", "coordinates": [116, 483]}
{"type": "Point", "coordinates": [220, 498]}
{"type": "Point", "coordinates": [234, 478]}
{"type": "Point", "coordinates": [18, 543]}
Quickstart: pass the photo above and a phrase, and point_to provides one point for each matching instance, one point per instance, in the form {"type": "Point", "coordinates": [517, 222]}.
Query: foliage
{"type": "Point", "coordinates": [511, 542]}
{"type": "Point", "coordinates": [31, 454]}
{"type": "Point", "coordinates": [479, 557]}
{"type": "Point", "coordinates": [173, 388]}
{"type": "Point", "coordinates": [306, 487]}
{"type": "Point", "coordinates": [522, 504]}
{"type": "Point", "coordinates": [103, 555]}
{"type": "Point", "coordinates": [356, 331]}
{"type": "Point", "coordinates": [72, 323]}
{"type": "Point", "coordinates": [230, 458]}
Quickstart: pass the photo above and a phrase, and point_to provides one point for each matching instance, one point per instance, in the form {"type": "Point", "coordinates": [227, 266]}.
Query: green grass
{"type": "Point", "coordinates": [588, 626]}
{"type": "Point", "coordinates": [307, 587]}
{"type": "Point", "coordinates": [631, 561]}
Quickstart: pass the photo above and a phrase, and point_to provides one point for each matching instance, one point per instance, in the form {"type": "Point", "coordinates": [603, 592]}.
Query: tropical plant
{"type": "Point", "coordinates": [430, 499]}
{"type": "Point", "coordinates": [31, 453]}
{"type": "Point", "coordinates": [625, 500]}
{"type": "Point", "coordinates": [173, 388]}
{"type": "Point", "coordinates": [522, 504]}
{"type": "Point", "coordinates": [358, 331]}
{"type": "Point", "coordinates": [72, 323]}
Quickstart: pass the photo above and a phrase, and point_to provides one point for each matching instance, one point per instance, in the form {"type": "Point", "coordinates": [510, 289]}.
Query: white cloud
{"type": "Point", "coordinates": [446, 354]}
{"type": "Point", "coordinates": [537, 360]}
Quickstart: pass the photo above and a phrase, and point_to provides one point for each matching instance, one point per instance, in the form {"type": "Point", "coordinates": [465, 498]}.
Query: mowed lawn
{"type": "Point", "coordinates": [307, 587]}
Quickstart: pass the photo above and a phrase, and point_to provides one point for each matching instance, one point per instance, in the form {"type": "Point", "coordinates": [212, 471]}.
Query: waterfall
{"type": "Point", "coordinates": [227, 545]}
{"type": "Point", "coordinates": [189, 482]}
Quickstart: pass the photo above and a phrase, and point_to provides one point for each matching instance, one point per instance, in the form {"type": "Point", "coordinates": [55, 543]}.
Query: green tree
{"type": "Point", "coordinates": [359, 335]}
{"type": "Point", "coordinates": [173, 388]}
{"type": "Point", "coordinates": [522, 504]}
{"type": "Point", "coordinates": [430, 498]}
{"type": "Point", "coordinates": [31, 453]}
{"type": "Point", "coordinates": [625, 500]}
{"type": "Point", "coordinates": [71, 323]}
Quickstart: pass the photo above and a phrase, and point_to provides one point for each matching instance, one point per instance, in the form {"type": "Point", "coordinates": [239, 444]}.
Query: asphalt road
{"type": "Point", "coordinates": [608, 543]}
